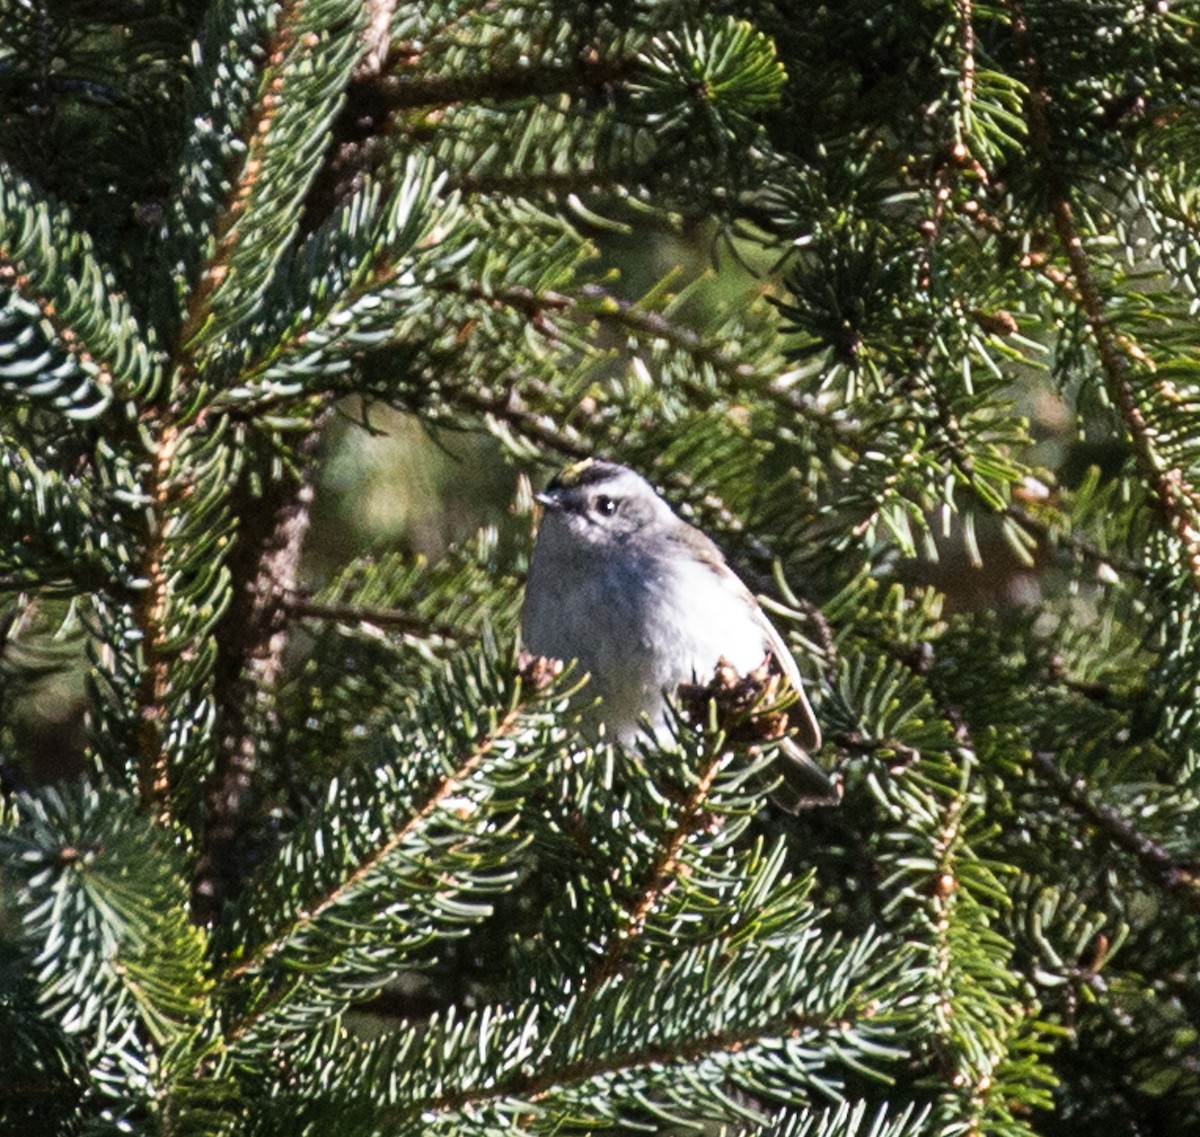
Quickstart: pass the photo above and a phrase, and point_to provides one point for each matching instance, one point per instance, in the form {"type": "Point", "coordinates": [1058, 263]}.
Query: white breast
{"type": "Point", "coordinates": [638, 630]}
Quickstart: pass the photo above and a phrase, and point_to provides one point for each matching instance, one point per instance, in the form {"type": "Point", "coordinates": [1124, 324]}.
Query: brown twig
{"type": "Point", "coordinates": [404, 91]}
{"type": "Point", "coordinates": [598, 304]}
{"type": "Point", "coordinates": [966, 64]}
{"type": "Point", "coordinates": [658, 881]}
{"type": "Point", "coordinates": [264, 565]}
{"type": "Point", "coordinates": [317, 906]}
{"type": "Point", "coordinates": [297, 604]}
{"type": "Point", "coordinates": [1181, 880]}
{"type": "Point", "coordinates": [537, 1085]}
{"type": "Point", "coordinates": [257, 122]}
{"type": "Point", "coordinates": [150, 616]}
{"type": "Point", "coordinates": [1178, 503]}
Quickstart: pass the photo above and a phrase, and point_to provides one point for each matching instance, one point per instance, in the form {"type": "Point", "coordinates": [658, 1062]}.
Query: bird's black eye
{"type": "Point", "coordinates": [605, 506]}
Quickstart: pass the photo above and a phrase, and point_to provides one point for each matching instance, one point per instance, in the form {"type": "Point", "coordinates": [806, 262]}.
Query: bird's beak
{"type": "Point", "coordinates": [550, 501]}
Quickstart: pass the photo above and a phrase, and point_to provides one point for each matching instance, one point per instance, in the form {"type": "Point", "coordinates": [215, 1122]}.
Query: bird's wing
{"type": "Point", "coordinates": [808, 733]}
{"type": "Point", "coordinates": [800, 713]}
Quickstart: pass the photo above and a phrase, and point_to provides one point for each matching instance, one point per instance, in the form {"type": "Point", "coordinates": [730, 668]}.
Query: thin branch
{"type": "Point", "coordinates": [659, 880]}
{"type": "Point", "coordinates": [150, 616]}
{"type": "Point", "coordinates": [966, 70]}
{"type": "Point", "coordinates": [961, 1072]}
{"type": "Point", "coordinates": [594, 302]}
{"type": "Point", "coordinates": [257, 121]}
{"type": "Point", "coordinates": [1076, 545]}
{"type": "Point", "coordinates": [316, 907]}
{"type": "Point", "coordinates": [589, 178]}
{"type": "Point", "coordinates": [297, 604]}
{"type": "Point", "coordinates": [541, 428]}
{"type": "Point", "coordinates": [531, 1087]}
{"type": "Point", "coordinates": [600, 305]}
{"type": "Point", "coordinates": [1181, 880]}
{"type": "Point", "coordinates": [447, 787]}
{"type": "Point", "coordinates": [1178, 503]}
{"type": "Point", "coordinates": [403, 92]}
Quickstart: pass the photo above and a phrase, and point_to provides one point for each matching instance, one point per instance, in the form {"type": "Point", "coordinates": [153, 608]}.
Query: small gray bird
{"type": "Point", "coordinates": [645, 602]}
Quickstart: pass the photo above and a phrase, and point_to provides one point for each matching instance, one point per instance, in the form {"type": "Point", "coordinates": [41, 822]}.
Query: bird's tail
{"type": "Point", "coordinates": [804, 784]}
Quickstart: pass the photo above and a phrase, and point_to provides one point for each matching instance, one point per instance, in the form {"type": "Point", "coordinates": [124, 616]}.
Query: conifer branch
{"type": "Point", "coordinates": [956, 446]}
{"type": "Point", "coordinates": [332, 214]}
{"type": "Point", "coordinates": [256, 127]}
{"type": "Point", "coordinates": [383, 86]}
{"type": "Point", "coordinates": [535, 306]}
{"type": "Point", "coordinates": [1180, 879]}
{"type": "Point", "coordinates": [966, 73]}
{"type": "Point", "coordinates": [1178, 503]}
{"type": "Point", "coordinates": [438, 792]}
{"type": "Point", "coordinates": [955, 443]}
{"type": "Point", "coordinates": [357, 132]}
{"type": "Point", "coordinates": [64, 333]}
{"type": "Point", "coordinates": [384, 270]}
{"type": "Point", "coordinates": [594, 302]}
{"type": "Point", "coordinates": [747, 379]}
{"type": "Point", "coordinates": [1038, 262]}
{"type": "Point", "coordinates": [1078, 546]}
{"type": "Point", "coordinates": [541, 428]}
{"type": "Point", "coordinates": [600, 305]}
{"type": "Point", "coordinates": [267, 553]}
{"type": "Point", "coordinates": [604, 307]}
{"type": "Point", "coordinates": [658, 881]}
{"type": "Point", "coordinates": [407, 92]}
{"type": "Point", "coordinates": [943, 900]}
{"type": "Point", "coordinates": [297, 604]}
{"type": "Point", "coordinates": [540, 1084]}
{"type": "Point", "coordinates": [150, 614]}
{"type": "Point", "coordinates": [590, 177]}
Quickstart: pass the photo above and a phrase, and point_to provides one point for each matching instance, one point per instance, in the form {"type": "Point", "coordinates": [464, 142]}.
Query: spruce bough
{"type": "Point", "coordinates": [335, 857]}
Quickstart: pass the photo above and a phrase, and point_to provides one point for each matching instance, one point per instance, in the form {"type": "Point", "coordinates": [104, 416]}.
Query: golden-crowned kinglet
{"type": "Point", "coordinates": [645, 602]}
